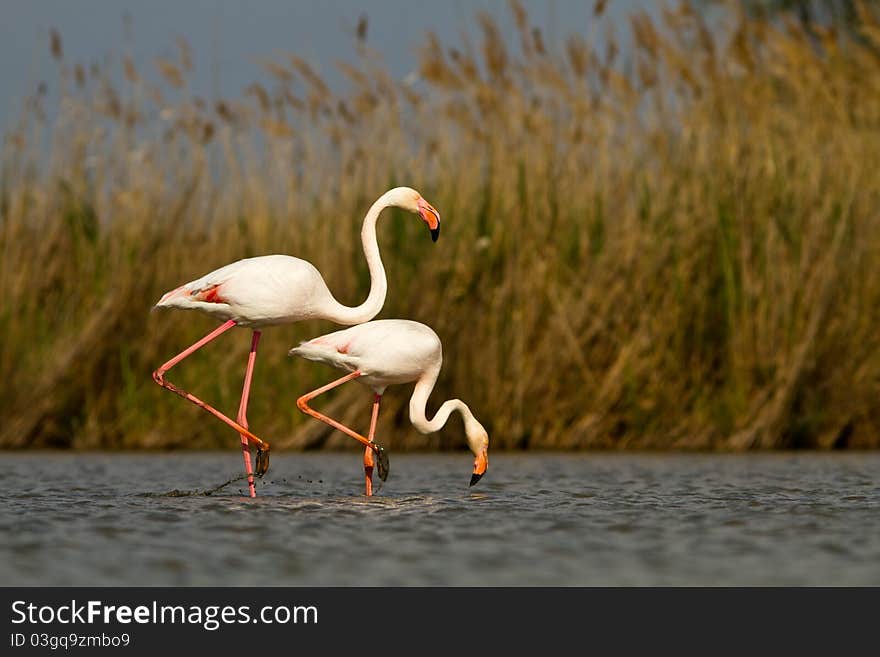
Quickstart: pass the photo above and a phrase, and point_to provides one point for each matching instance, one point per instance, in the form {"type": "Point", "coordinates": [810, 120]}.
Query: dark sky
{"type": "Point", "coordinates": [227, 35]}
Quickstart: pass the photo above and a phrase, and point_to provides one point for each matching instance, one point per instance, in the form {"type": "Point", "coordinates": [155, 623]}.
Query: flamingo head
{"type": "Point", "coordinates": [409, 199]}
{"type": "Point", "coordinates": [478, 441]}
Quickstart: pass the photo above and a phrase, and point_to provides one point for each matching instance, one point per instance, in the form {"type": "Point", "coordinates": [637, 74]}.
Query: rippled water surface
{"type": "Point", "coordinates": [104, 519]}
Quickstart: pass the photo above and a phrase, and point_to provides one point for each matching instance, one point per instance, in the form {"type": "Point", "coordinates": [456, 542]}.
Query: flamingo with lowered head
{"type": "Point", "coordinates": [381, 353]}
{"type": "Point", "coordinates": [280, 289]}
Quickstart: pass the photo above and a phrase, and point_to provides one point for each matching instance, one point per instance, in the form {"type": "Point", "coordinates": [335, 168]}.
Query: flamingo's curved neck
{"type": "Point", "coordinates": [419, 401]}
{"type": "Point", "coordinates": [371, 306]}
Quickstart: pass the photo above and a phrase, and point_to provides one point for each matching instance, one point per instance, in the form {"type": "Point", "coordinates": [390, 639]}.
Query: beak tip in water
{"type": "Point", "coordinates": [475, 478]}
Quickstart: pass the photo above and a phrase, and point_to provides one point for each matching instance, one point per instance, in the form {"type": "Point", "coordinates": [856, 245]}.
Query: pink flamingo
{"type": "Point", "coordinates": [382, 353]}
{"type": "Point", "coordinates": [279, 289]}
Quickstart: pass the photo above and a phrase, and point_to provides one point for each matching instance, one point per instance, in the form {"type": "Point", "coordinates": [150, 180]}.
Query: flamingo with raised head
{"type": "Point", "coordinates": [382, 353]}
{"type": "Point", "coordinates": [280, 289]}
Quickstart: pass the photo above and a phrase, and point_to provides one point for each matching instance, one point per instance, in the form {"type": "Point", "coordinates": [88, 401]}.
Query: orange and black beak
{"type": "Point", "coordinates": [481, 463]}
{"type": "Point", "coordinates": [431, 217]}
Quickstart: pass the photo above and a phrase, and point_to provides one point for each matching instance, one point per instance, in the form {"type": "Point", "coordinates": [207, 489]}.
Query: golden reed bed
{"type": "Point", "coordinates": [672, 247]}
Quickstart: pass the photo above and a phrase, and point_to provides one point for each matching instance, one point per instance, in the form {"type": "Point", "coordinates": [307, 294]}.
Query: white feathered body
{"type": "Point", "coordinates": [385, 352]}
{"type": "Point", "coordinates": [393, 351]}
{"type": "Point", "coordinates": [256, 292]}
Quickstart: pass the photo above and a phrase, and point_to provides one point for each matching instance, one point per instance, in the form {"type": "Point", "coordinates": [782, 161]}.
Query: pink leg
{"type": "Point", "coordinates": [303, 405]}
{"type": "Point", "coordinates": [242, 412]}
{"type": "Point", "coordinates": [369, 461]}
{"type": "Point", "coordinates": [159, 377]}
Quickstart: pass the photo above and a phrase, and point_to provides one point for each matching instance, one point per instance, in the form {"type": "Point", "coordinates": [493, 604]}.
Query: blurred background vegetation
{"type": "Point", "coordinates": [673, 249]}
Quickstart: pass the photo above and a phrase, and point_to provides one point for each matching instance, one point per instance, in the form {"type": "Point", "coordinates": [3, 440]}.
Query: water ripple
{"type": "Point", "coordinates": [783, 519]}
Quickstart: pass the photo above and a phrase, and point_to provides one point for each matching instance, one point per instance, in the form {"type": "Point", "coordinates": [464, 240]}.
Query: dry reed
{"type": "Point", "coordinates": [677, 251]}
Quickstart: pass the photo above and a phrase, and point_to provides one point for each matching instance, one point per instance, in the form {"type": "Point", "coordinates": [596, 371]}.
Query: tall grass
{"type": "Point", "coordinates": [678, 250]}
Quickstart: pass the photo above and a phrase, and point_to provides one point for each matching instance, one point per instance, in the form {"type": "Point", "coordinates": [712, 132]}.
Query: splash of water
{"type": "Point", "coordinates": [205, 492]}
